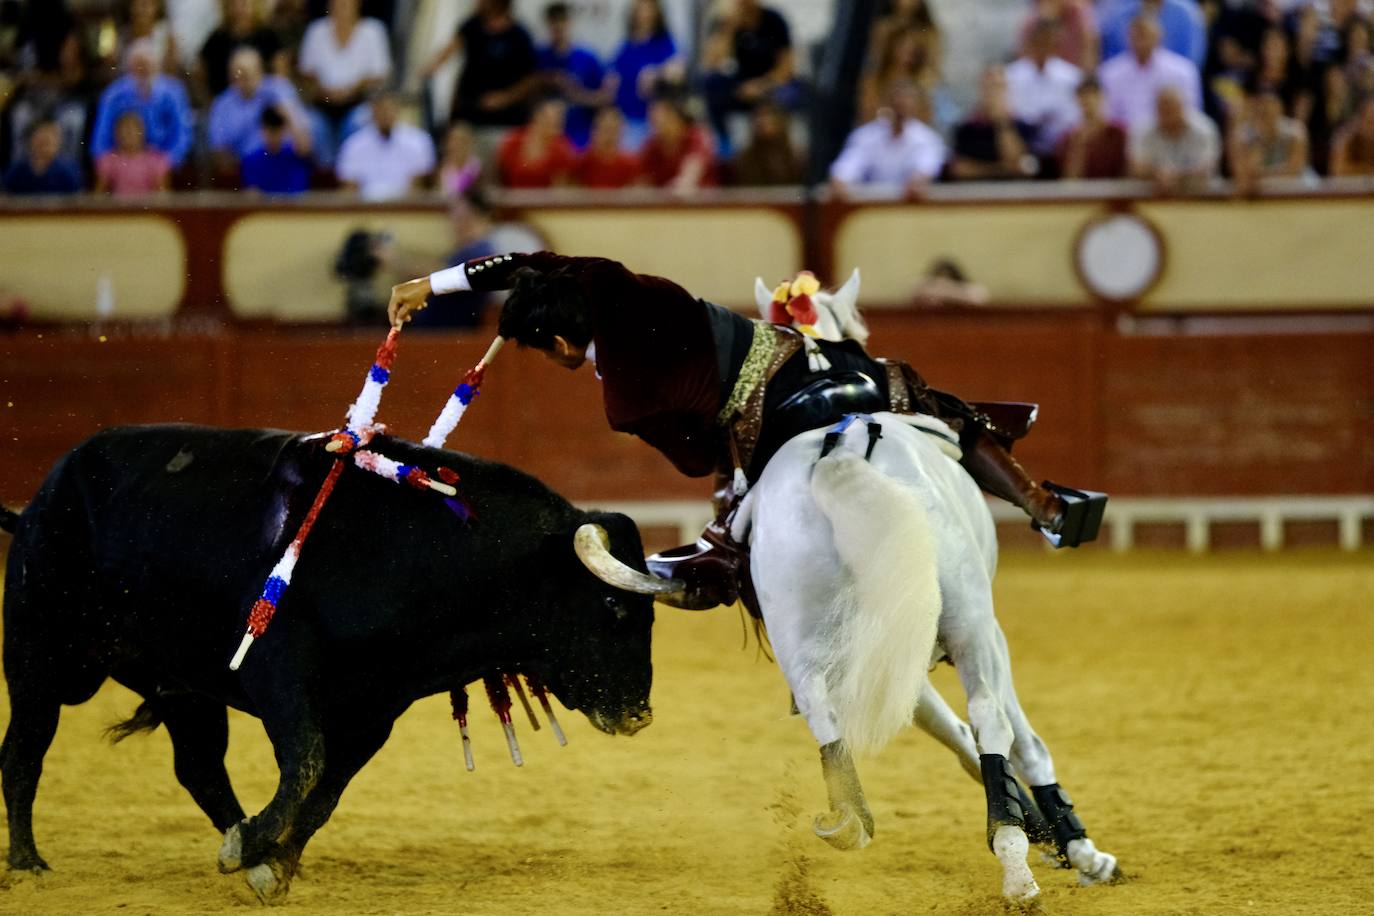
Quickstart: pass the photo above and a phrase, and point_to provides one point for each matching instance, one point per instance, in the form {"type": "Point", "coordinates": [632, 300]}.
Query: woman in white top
{"type": "Point", "coordinates": [343, 58]}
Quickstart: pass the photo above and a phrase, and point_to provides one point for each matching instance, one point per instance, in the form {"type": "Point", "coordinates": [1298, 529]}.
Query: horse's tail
{"type": "Point", "coordinates": [886, 627]}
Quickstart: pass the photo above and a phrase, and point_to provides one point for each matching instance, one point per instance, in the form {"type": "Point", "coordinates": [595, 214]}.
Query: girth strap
{"type": "Point", "coordinates": [833, 435]}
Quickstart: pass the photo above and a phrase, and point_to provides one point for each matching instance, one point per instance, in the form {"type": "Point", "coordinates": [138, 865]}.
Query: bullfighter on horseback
{"type": "Point", "coordinates": [716, 392]}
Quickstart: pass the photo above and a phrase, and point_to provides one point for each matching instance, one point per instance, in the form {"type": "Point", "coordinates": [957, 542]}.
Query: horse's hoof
{"type": "Point", "coordinates": [1094, 866]}
{"type": "Point", "coordinates": [1010, 846]}
{"type": "Point", "coordinates": [231, 850]}
{"type": "Point", "coordinates": [842, 828]}
{"type": "Point", "coordinates": [268, 882]}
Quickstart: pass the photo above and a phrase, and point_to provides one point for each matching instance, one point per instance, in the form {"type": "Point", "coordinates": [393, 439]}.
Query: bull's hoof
{"type": "Point", "coordinates": [842, 828]}
{"type": "Point", "coordinates": [27, 861]}
{"type": "Point", "coordinates": [1094, 866]}
{"type": "Point", "coordinates": [1010, 846]}
{"type": "Point", "coordinates": [268, 881]}
{"type": "Point", "coordinates": [231, 850]}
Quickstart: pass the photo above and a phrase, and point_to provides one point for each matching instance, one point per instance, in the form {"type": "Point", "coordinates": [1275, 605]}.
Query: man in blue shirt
{"type": "Point", "coordinates": [43, 171]}
{"type": "Point", "coordinates": [281, 162]}
{"type": "Point", "coordinates": [1185, 31]}
{"type": "Point", "coordinates": [574, 74]}
{"type": "Point", "coordinates": [236, 112]}
{"type": "Point", "coordinates": [160, 100]}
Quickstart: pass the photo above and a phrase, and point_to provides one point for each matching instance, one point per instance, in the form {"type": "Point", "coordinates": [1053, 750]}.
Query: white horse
{"type": "Point", "coordinates": [851, 645]}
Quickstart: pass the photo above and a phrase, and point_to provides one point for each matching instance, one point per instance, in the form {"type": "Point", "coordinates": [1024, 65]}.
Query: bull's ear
{"type": "Point", "coordinates": [763, 298]}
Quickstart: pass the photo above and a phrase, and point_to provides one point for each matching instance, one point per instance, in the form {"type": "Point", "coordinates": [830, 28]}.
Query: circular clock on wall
{"type": "Point", "coordinates": [1119, 256]}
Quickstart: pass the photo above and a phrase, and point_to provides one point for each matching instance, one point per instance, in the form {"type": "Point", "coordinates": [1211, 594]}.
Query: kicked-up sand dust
{"type": "Point", "coordinates": [1210, 717]}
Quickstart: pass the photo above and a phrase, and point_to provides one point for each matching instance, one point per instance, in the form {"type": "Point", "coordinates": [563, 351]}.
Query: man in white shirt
{"type": "Point", "coordinates": [1042, 88]}
{"type": "Point", "coordinates": [387, 158]}
{"type": "Point", "coordinates": [895, 149]}
{"type": "Point", "coordinates": [1132, 80]}
{"type": "Point", "coordinates": [343, 57]}
{"type": "Point", "coordinates": [1180, 151]}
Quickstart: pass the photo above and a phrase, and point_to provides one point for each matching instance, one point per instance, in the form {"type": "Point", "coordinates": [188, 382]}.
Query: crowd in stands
{"type": "Point", "coordinates": [132, 97]}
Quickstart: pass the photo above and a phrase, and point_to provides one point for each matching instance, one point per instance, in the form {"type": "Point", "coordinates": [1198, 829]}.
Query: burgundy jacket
{"type": "Point", "coordinates": [654, 352]}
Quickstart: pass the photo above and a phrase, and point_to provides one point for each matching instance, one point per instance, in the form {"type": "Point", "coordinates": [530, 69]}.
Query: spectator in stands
{"type": "Point", "coordinates": [904, 58]}
{"type": "Point", "coordinates": [160, 101]}
{"type": "Point", "coordinates": [289, 20]}
{"type": "Point", "coordinates": [769, 158]}
{"type": "Point", "coordinates": [1096, 148]}
{"type": "Point", "coordinates": [343, 58]}
{"type": "Point", "coordinates": [1352, 148]}
{"type": "Point", "coordinates": [748, 58]}
{"type": "Point", "coordinates": [500, 72]}
{"type": "Point", "coordinates": [131, 169]}
{"type": "Point", "coordinates": [647, 60]}
{"type": "Point", "coordinates": [1131, 80]}
{"type": "Point", "coordinates": [1305, 65]}
{"type": "Point", "coordinates": [43, 170]}
{"type": "Point", "coordinates": [909, 16]}
{"type": "Point", "coordinates": [1077, 40]}
{"type": "Point", "coordinates": [240, 27]}
{"type": "Point", "coordinates": [1041, 88]}
{"type": "Point", "coordinates": [677, 154]}
{"type": "Point", "coordinates": [1182, 28]}
{"type": "Point", "coordinates": [280, 163]}
{"type": "Point", "coordinates": [1357, 54]}
{"type": "Point", "coordinates": [145, 22]}
{"type": "Point", "coordinates": [894, 150]}
{"type": "Point", "coordinates": [992, 143]}
{"type": "Point", "coordinates": [53, 79]}
{"type": "Point", "coordinates": [470, 216]}
{"type": "Point", "coordinates": [605, 163]}
{"type": "Point", "coordinates": [538, 155]}
{"type": "Point", "coordinates": [573, 73]}
{"type": "Point", "coordinates": [387, 158]}
{"type": "Point", "coordinates": [1273, 67]}
{"type": "Point", "coordinates": [1180, 151]}
{"type": "Point", "coordinates": [461, 167]}
{"type": "Point", "coordinates": [1266, 144]}
{"type": "Point", "coordinates": [1331, 109]}
{"type": "Point", "coordinates": [236, 115]}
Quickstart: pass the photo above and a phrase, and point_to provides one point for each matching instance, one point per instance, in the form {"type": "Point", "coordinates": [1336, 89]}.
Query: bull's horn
{"type": "Point", "coordinates": [593, 548]}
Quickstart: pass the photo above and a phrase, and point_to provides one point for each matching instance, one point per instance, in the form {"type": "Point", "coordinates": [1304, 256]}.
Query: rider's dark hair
{"type": "Point", "coordinates": [543, 305]}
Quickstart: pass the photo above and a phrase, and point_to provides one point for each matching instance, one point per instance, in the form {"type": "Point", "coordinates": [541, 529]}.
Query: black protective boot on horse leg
{"type": "Point", "coordinates": [1003, 794]}
{"type": "Point", "coordinates": [1057, 807]}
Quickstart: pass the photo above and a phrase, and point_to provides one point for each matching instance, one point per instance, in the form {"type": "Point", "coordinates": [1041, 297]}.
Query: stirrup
{"type": "Point", "coordinates": [710, 568]}
{"type": "Point", "coordinates": [1082, 516]}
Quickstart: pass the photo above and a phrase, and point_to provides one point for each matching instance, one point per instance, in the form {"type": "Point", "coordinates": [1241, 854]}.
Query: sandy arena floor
{"type": "Point", "coordinates": [1211, 718]}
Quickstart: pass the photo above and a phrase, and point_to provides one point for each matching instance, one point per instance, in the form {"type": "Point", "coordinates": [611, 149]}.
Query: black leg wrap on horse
{"type": "Point", "coordinates": [1057, 807]}
{"type": "Point", "coordinates": [1003, 792]}
{"type": "Point", "coordinates": [1038, 829]}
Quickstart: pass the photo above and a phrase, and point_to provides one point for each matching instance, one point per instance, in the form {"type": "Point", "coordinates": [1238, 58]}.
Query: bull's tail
{"type": "Point", "coordinates": [8, 520]}
{"type": "Point", "coordinates": [885, 630]}
{"type": "Point", "coordinates": [144, 719]}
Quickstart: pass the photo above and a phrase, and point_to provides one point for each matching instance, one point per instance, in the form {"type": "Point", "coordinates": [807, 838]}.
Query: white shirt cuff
{"type": "Point", "coordinates": [450, 280]}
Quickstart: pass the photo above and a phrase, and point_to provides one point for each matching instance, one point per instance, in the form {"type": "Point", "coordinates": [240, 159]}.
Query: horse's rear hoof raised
{"type": "Point", "coordinates": [842, 829]}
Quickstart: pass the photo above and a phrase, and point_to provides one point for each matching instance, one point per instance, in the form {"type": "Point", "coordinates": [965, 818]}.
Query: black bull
{"type": "Point", "coordinates": [145, 547]}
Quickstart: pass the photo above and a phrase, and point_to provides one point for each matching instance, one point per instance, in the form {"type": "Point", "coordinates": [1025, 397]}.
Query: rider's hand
{"type": "Point", "coordinates": [410, 296]}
